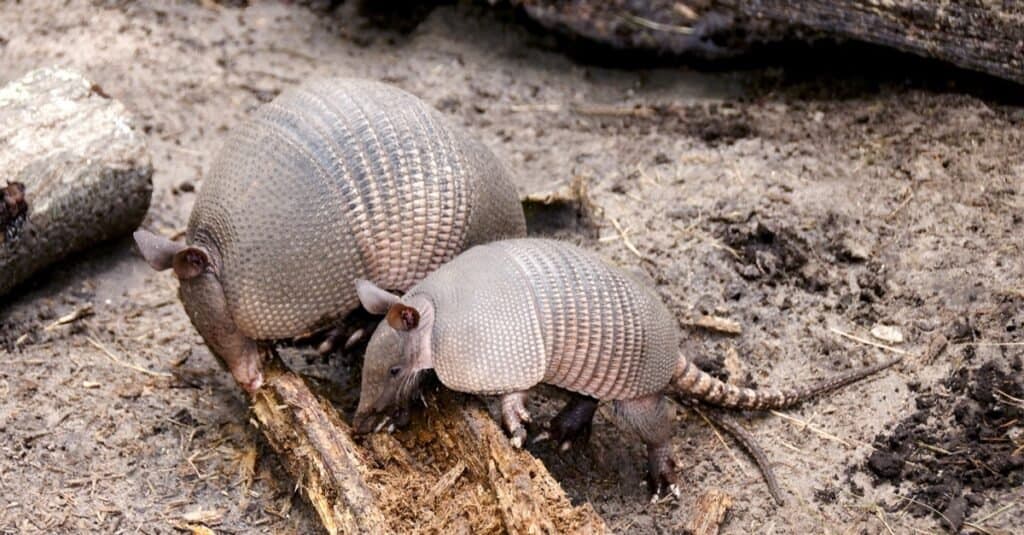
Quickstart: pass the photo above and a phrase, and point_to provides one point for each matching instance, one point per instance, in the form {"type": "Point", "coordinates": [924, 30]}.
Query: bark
{"type": "Point", "coordinates": [73, 171]}
{"type": "Point", "coordinates": [982, 36]}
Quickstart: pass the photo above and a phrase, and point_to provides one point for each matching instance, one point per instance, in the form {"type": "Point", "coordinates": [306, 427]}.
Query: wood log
{"type": "Point", "coordinates": [453, 469]}
{"type": "Point", "coordinates": [73, 171]}
{"type": "Point", "coordinates": [981, 36]}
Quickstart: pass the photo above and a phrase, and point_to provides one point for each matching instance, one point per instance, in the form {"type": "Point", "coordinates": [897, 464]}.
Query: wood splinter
{"type": "Point", "coordinates": [709, 513]}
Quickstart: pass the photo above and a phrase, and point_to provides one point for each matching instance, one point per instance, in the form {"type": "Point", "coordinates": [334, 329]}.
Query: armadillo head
{"type": "Point", "coordinates": [396, 357]}
{"type": "Point", "coordinates": [196, 268]}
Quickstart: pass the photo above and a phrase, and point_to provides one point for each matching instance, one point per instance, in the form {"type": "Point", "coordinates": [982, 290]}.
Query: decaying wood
{"type": "Point", "coordinates": [73, 171]}
{"type": "Point", "coordinates": [316, 449]}
{"type": "Point", "coordinates": [982, 36]}
{"type": "Point", "coordinates": [709, 513]}
{"type": "Point", "coordinates": [473, 480]}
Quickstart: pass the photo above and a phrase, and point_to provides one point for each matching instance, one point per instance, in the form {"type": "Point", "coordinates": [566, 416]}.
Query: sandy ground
{"type": "Point", "coordinates": [801, 199]}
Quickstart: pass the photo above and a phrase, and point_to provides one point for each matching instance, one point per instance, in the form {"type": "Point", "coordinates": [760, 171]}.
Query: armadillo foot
{"type": "Point", "coordinates": [333, 336]}
{"type": "Point", "coordinates": [514, 413]}
{"type": "Point", "coordinates": [661, 473]}
{"type": "Point", "coordinates": [572, 425]}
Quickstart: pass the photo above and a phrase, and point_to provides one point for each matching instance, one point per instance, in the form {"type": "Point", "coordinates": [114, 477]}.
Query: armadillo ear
{"type": "Point", "coordinates": [374, 300]}
{"type": "Point", "coordinates": [403, 317]}
{"type": "Point", "coordinates": [190, 262]}
{"type": "Point", "coordinates": [157, 250]}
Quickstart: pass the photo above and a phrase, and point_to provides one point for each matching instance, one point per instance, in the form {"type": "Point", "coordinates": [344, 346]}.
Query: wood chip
{"type": "Point", "coordinates": [719, 324]}
{"type": "Point", "coordinates": [446, 481]}
{"type": "Point", "coordinates": [709, 513]}
{"type": "Point", "coordinates": [79, 313]}
{"type": "Point", "coordinates": [887, 333]}
{"type": "Point", "coordinates": [203, 516]}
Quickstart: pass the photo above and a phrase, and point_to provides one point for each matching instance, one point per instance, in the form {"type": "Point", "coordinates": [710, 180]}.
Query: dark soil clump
{"type": "Point", "coordinates": [949, 464]}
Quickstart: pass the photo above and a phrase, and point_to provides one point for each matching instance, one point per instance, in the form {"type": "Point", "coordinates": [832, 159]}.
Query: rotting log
{"type": "Point", "coordinates": [981, 36]}
{"type": "Point", "coordinates": [316, 449]}
{"type": "Point", "coordinates": [73, 171]}
{"type": "Point", "coordinates": [458, 469]}
{"type": "Point", "coordinates": [473, 478]}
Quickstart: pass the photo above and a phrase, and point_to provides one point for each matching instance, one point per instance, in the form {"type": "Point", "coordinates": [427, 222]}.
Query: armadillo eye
{"type": "Point", "coordinates": [394, 370]}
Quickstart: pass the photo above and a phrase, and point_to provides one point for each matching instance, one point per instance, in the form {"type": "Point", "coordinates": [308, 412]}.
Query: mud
{"type": "Point", "coordinates": [802, 193]}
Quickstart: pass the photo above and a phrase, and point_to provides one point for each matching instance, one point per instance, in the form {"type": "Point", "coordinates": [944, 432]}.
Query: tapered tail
{"type": "Point", "coordinates": [690, 381]}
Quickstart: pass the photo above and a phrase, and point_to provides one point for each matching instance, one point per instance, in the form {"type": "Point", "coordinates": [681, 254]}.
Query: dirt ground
{"type": "Point", "coordinates": [802, 193]}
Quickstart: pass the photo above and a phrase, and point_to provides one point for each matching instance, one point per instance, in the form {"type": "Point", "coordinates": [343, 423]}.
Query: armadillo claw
{"type": "Point", "coordinates": [541, 437]}
{"type": "Point", "coordinates": [513, 414]}
{"type": "Point", "coordinates": [518, 437]}
{"type": "Point", "coordinates": [673, 494]}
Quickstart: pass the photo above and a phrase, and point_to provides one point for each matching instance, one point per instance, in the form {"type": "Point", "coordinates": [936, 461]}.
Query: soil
{"type": "Point", "coordinates": [802, 192]}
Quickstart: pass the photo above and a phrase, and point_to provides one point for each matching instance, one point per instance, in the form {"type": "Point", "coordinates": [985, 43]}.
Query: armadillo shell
{"type": "Point", "coordinates": [513, 313]}
{"type": "Point", "coordinates": [336, 180]}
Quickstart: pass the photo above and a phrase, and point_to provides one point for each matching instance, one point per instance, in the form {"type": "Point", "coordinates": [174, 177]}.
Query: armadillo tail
{"type": "Point", "coordinates": [691, 382]}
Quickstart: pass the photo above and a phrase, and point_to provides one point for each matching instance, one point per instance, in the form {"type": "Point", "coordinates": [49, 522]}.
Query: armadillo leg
{"type": "Point", "coordinates": [572, 425]}
{"type": "Point", "coordinates": [514, 413]}
{"type": "Point", "coordinates": [206, 307]}
{"type": "Point", "coordinates": [649, 417]}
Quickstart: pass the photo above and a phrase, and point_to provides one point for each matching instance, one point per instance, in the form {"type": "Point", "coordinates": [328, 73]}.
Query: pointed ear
{"type": "Point", "coordinates": [375, 300]}
{"type": "Point", "coordinates": [190, 262]}
{"type": "Point", "coordinates": [157, 250]}
{"type": "Point", "coordinates": [403, 317]}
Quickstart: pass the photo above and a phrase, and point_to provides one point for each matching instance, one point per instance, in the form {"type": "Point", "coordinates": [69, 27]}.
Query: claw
{"type": "Point", "coordinates": [542, 436]}
{"type": "Point", "coordinates": [383, 422]}
{"type": "Point", "coordinates": [518, 437]}
{"type": "Point", "coordinates": [565, 446]}
{"type": "Point", "coordinates": [391, 428]}
{"type": "Point", "coordinates": [354, 339]}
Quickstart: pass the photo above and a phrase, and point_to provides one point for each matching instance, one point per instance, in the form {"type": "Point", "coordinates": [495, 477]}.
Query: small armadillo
{"type": "Point", "coordinates": [335, 180]}
{"type": "Point", "coordinates": [505, 316]}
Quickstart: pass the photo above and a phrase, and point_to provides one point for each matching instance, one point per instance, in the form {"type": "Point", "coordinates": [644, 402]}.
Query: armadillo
{"type": "Point", "coordinates": [332, 181]}
{"type": "Point", "coordinates": [503, 317]}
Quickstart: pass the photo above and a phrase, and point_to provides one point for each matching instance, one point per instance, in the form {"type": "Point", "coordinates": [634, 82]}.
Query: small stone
{"type": "Point", "coordinates": [854, 250]}
{"type": "Point", "coordinates": [887, 333]}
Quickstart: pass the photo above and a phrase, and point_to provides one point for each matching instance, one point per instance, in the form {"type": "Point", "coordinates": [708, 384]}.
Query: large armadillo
{"type": "Point", "coordinates": [333, 181]}
{"type": "Point", "coordinates": [503, 317]}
